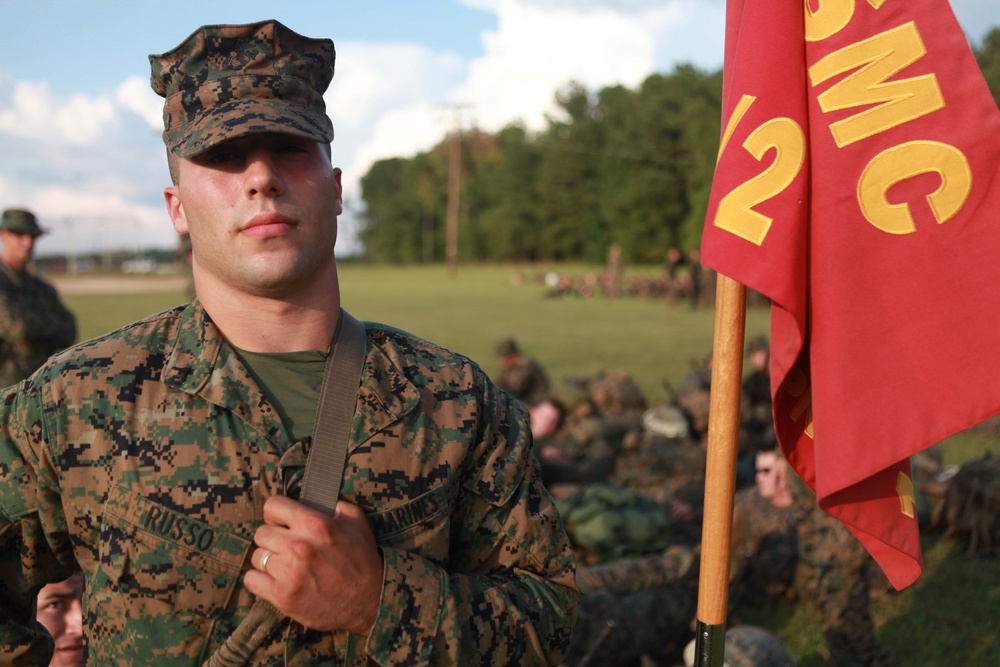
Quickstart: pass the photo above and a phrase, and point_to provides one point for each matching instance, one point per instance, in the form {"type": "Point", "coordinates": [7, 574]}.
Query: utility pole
{"type": "Point", "coordinates": [454, 188]}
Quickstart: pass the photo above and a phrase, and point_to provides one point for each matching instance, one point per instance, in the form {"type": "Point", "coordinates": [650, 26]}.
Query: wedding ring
{"type": "Point", "coordinates": [263, 561]}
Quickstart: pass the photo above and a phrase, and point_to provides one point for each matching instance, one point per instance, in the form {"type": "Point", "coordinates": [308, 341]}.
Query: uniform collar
{"type": "Point", "coordinates": [16, 277]}
{"type": "Point", "coordinates": [202, 363]}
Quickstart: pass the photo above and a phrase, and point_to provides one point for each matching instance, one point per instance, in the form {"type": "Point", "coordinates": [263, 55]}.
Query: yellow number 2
{"type": "Point", "coordinates": [735, 213]}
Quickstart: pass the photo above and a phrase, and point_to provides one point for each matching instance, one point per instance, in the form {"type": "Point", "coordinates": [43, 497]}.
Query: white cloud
{"type": "Point", "coordinates": [537, 51]}
{"type": "Point", "coordinates": [382, 103]}
{"type": "Point", "coordinates": [403, 99]}
{"type": "Point", "coordinates": [36, 114]}
{"type": "Point", "coordinates": [403, 131]}
{"type": "Point", "coordinates": [82, 163]}
{"type": "Point", "coordinates": [135, 95]}
{"type": "Point", "coordinates": [372, 76]}
{"type": "Point", "coordinates": [580, 6]}
{"type": "Point", "coordinates": [91, 219]}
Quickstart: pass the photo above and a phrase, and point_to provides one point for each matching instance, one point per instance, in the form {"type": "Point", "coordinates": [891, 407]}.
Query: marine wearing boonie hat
{"type": "Point", "coordinates": [228, 81]}
{"type": "Point", "coordinates": [507, 347]}
{"type": "Point", "coordinates": [20, 221]}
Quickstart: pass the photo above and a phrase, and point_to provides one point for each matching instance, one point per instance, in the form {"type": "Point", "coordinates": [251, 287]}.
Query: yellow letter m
{"type": "Point", "coordinates": [878, 58]}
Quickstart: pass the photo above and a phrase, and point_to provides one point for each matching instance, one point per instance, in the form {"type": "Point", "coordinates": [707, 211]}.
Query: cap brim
{"type": "Point", "coordinates": [33, 233]}
{"type": "Point", "coordinates": [248, 116]}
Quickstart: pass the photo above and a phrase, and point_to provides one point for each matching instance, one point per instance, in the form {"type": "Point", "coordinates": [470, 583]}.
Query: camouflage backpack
{"type": "Point", "coordinates": [606, 522]}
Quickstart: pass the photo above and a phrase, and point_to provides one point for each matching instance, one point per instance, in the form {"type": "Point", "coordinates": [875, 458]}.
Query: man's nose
{"type": "Point", "coordinates": [263, 175]}
{"type": "Point", "coordinates": [74, 620]}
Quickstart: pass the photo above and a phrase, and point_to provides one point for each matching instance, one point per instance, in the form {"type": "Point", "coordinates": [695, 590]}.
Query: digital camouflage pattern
{"type": "Point", "coordinates": [631, 575]}
{"type": "Point", "coordinates": [525, 379]}
{"type": "Point", "coordinates": [591, 439]}
{"type": "Point", "coordinates": [835, 571]}
{"type": "Point", "coordinates": [662, 467]}
{"type": "Point", "coordinates": [636, 609]}
{"type": "Point", "coordinates": [227, 81]}
{"type": "Point", "coordinates": [587, 452]}
{"type": "Point", "coordinates": [765, 550]}
{"type": "Point", "coordinates": [971, 508]}
{"type": "Point", "coordinates": [146, 456]}
{"type": "Point", "coordinates": [630, 630]}
{"type": "Point", "coordinates": [34, 324]}
{"type": "Point", "coordinates": [693, 397]}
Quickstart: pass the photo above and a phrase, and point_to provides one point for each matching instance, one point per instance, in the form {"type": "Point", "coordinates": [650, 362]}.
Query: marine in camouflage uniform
{"type": "Point", "coordinates": [636, 610]}
{"type": "Point", "coordinates": [663, 462]}
{"type": "Point", "coordinates": [793, 549]}
{"type": "Point", "coordinates": [519, 374]}
{"type": "Point", "coordinates": [168, 449]}
{"type": "Point", "coordinates": [34, 323]}
{"type": "Point", "coordinates": [150, 457]}
{"type": "Point", "coordinates": [579, 452]}
{"type": "Point", "coordinates": [693, 396]}
{"type": "Point", "coordinates": [756, 413]}
{"type": "Point", "coordinates": [836, 572]}
{"type": "Point", "coordinates": [970, 511]}
{"type": "Point", "coordinates": [585, 447]}
{"type": "Point", "coordinates": [765, 550]}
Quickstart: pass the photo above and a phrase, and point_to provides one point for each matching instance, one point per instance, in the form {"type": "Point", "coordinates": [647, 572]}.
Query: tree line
{"type": "Point", "coordinates": [619, 166]}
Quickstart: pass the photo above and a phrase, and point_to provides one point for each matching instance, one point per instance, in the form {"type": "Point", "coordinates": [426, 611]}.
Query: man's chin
{"type": "Point", "coordinates": [68, 656]}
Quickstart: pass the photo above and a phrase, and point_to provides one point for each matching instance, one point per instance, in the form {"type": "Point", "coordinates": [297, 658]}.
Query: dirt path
{"type": "Point", "coordinates": [117, 284]}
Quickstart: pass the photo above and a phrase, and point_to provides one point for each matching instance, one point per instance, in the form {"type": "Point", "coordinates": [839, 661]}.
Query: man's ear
{"type": "Point", "coordinates": [339, 189]}
{"type": "Point", "coordinates": [175, 209]}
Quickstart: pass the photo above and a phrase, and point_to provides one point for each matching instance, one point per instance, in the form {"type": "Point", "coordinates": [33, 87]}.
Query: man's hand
{"type": "Point", "coordinates": [324, 572]}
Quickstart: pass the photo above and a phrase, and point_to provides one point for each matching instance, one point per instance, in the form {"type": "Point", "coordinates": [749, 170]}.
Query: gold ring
{"type": "Point", "coordinates": [263, 561]}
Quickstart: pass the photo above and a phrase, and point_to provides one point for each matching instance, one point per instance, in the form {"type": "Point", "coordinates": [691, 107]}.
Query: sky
{"type": "Point", "coordinates": [80, 127]}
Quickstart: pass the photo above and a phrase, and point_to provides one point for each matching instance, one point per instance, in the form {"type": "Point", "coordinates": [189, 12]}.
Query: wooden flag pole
{"type": "Point", "coordinates": [720, 471]}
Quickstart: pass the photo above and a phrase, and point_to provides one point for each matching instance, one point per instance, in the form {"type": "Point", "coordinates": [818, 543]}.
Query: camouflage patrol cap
{"type": "Point", "coordinates": [20, 221]}
{"type": "Point", "coordinates": [228, 81]}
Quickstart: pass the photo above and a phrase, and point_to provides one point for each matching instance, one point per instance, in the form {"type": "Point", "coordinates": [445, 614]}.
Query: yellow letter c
{"type": "Point", "coordinates": [899, 163]}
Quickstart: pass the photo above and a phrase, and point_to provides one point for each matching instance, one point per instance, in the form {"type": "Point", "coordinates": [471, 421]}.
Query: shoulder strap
{"type": "Point", "coordinates": [334, 414]}
{"type": "Point", "coordinates": [324, 470]}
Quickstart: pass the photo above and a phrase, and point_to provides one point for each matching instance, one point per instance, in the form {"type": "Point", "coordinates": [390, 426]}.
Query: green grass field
{"type": "Point", "coordinates": [471, 310]}
{"type": "Point", "coordinates": [949, 617]}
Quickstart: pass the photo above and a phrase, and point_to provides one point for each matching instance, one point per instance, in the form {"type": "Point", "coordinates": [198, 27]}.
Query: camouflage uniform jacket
{"type": "Point", "coordinates": [146, 456]}
{"type": "Point", "coordinates": [525, 380]}
{"type": "Point", "coordinates": [33, 324]}
{"type": "Point", "coordinates": [836, 572]}
{"type": "Point", "coordinates": [765, 549]}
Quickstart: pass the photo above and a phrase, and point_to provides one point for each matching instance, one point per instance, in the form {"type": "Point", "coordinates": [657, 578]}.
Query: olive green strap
{"type": "Point", "coordinates": [324, 472]}
{"type": "Point", "coordinates": [334, 415]}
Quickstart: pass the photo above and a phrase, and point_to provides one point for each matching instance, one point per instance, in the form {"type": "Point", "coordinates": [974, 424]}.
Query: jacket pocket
{"type": "Point", "coordinates": [420, 525]}
{"type": "Point", "coordinates": [164, 579]}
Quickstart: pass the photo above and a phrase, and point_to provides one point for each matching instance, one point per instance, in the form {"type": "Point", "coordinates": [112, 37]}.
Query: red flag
{"type": "Point", "coordinates": [857, 188]}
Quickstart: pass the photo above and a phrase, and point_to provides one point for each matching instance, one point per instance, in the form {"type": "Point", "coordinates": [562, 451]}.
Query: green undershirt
{"type": "Point", "coordinates": [296, 377]}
